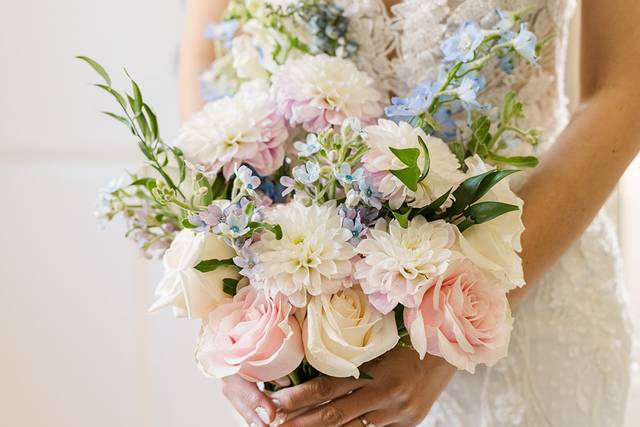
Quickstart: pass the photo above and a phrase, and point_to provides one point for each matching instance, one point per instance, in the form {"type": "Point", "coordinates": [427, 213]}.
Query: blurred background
{"type": "Point", "coordinates": [77, 345]}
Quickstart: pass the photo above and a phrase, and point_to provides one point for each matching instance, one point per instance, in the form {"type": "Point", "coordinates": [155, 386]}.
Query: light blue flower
{"type": "Point", "coordinates": [461, 46]}
{"type": "Point", "coordinates": [507, 64]}
{"type": "Point", "coordinates": [311, 147]}
{"type": "Point", "coordinates": [506, 21]}
{"type": "Point", "coordinates": [221, 31]}
{"type": "Point", "coordinates": [235, 225]}
{"type": "Point", "coordinates": [447, 128]}
{"type": "Point", "coordinates": [307, 174]}
{"type": "Point", "coordinates": [415, 104]}
{"type": "Point", "coordinates": [247, 179]}
{"type": "Point", "coordinates": [248, 260]}
{"type": "Point", "coordinates": [368, 193]}
{"type": "Point", "coordinates": [346, 177]}
{"type": "Point", "coordinates": [467, 92]}
{"type": "Point", "coordinates": [525, 44]}
{"type": "Point", "coordinates": [356, 227]}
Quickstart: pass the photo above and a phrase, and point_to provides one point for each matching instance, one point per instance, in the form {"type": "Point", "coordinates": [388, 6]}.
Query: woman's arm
{"type": "Point", "coordinates": [196, 52]}
{"type": "Point", "coordinates": [562, 197]}
{"type": "Point", "coordinates": [578, 173]}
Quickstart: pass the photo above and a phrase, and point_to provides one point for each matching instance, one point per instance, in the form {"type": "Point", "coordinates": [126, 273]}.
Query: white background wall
{"type": "Point", "coordinates": [76, 345]}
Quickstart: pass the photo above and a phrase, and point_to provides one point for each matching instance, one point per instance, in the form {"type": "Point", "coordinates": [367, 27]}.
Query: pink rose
{"type": "Point", "coordinates": [251, 335]}
{"type": "Point", "coordinates": [465, 318]}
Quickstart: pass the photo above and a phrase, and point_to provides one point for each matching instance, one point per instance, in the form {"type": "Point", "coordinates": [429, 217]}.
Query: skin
{"type": "Point", "coordinates": [575, 176]}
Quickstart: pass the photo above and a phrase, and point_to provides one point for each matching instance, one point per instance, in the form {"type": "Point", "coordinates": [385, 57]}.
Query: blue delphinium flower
{"type": "Point", "coordinates": [467, 92]}
{"type": "Point", "coordinates": [222, 31]}
{"type": "Point", "coordinates": [507, 64]}
{"type": "Point", "coordinates": [346, 176]}
{"type": "Point", "coordinates": [462, 44]}
{"type": "Point", "coordinates": [307, 174]}
{"type": "Point", "coordinates": [505, 22]}
{"type": "Point", "coordinates": [447, 129]}
{"type": "Point", "coordinates": [525, 44]}
{"type": "Point", "coordinates": [309, 148]}
{"type": "Point", "coordinates": [415, 104]}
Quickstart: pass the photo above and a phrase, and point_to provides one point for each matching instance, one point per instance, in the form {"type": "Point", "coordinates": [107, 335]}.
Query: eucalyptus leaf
{"type": "Point", "coordinates": [125, 121]}
{"type": "Point", "coordinates": [142, 182]}
{"type": "Point", "coordinates": [119, 98]}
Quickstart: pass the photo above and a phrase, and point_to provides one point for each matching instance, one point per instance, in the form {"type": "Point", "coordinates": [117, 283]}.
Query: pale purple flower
{"type": "Point", "coordinates": [288, 183]}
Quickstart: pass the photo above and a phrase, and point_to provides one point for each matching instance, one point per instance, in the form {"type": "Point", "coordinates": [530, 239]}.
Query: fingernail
{"type": "Point", "coordinates": [276, 403]}
{"type": "Point", "coordinates": [262, 413]}
{"type": "Point", "coordinates": [281, 417]}
{"type": "Point", "coordinates": [253, 425]}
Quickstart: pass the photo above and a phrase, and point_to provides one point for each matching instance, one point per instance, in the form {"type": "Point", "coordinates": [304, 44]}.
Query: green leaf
{"type": "Point", "coordinates": [187, 224]}
{"type": "Point", "coordinates": [491, 180]}
{"type": "Point", "coordinates": [480, 134]}
{"type": "Point", "coordinates": [402, 218]}
{"type": "Point", "coordinates": [153, 121]}
{"type": "Point", "coordinates": [435, 205]}
{"type": "Point", "coordinates": [458, 150]}
{"type": "Point", "coordinates": [465, 194]}
{"type": "Point", "coordinates": [121, 119]}
{"type": "Point", "coordinates": [97, 67]}
{"type": "Point", "coordinates": [230, 286]}
{"type": "Point", "coordinates": [219, 187]}
{"type": "Point", "coordinates": [408, 156]}
{"type": "Point", "coordinates": [486, 211]}
{"type": "Point", "coordinates": [408, 176]}
{"type": "Point", "coordinates": [142, 182]}
{"type": "Point", "coordinates": [115, 94]}
{"type": "Point", "coordinates": [213, 264]}
{"type": "Point", "coordinates": [427, 159]}
{"type": "Point", "coordinates": [519, 161]}
{"type": "Point", "coordinates": [206, 198]}
{"type": "Point", "coordinates": [273, 228]}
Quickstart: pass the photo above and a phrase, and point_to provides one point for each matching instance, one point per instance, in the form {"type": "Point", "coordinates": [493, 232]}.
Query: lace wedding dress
{"type": "Point", "coordinates": [569, 358]}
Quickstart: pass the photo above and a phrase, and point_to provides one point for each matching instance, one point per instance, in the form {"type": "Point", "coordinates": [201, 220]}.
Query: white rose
{"type": "Point", "coordinates": [191, 293]}
{"type": "Point", "coordinates": [342, 331]}
{"type": "Point", "coordinates": [246, 59]}
{"type": "Point", "coordinates": [494, 245]}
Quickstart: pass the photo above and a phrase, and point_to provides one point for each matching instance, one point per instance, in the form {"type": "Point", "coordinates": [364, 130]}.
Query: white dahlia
{"type": "Point", "coordinates": [319, 91]}
{"type": "Point", "coordinates": [231, 131]}
{"type": "Point", "coordinates": [313, 256]}
{"type": "Point", "coordinates": [443, 174]}
{"type": "Point", "coordinates": [400, 264]}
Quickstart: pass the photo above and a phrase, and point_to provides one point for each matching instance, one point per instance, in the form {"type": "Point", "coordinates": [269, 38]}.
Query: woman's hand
{"type": "Point", "coordinates": [401, 393]}
{"type": "Point", "coordinates": [252, 404]}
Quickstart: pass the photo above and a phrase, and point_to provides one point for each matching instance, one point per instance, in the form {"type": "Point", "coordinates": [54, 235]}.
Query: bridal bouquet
{"type": "Point", "coordinates": [311, 225]}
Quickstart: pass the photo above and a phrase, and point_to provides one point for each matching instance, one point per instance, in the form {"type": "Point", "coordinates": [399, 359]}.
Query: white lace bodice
{"type": "Point", "coordinates": [569, 360]}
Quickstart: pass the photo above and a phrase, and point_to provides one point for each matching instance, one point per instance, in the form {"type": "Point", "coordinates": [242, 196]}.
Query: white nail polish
{"type": "Point", "coordinates": [262, 413]}
{"type": "Point", "coordinates": [281, 417]}
{"type": "Point", "coordinates": [253, 425]}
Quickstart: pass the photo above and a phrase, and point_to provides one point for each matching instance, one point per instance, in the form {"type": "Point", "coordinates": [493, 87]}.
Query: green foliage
{"type": "Point", "coordinates": [484, 212]}
{"type": "Point", "coordinates": [412, 174]}
{"type": "Point", "coordinates": [402, 218]}
{"type": "Point", "coordinates": [472, 189]}
{"type": "Point", "coordinates": [213, 264]}
{"type": "Point", "coordinates": [230, 286]}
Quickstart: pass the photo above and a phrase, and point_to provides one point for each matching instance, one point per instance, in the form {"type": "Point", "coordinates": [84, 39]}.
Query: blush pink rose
{"type": "Point", "coordinates": [465, 318]}
{"type": "Point", "coordinates": [252, 335]}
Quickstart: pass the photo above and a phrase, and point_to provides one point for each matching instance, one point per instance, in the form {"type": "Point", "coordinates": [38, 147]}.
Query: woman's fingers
{"type": "Point", "coordinates": [314, 392]}
{"type": "Point", "coordinates": [253, 405]}
{"type": "Point", "coordinates": [339, 412]}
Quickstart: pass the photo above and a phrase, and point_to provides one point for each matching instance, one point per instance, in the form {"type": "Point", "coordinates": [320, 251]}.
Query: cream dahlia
{"type": "Point", "coordinates": [400, 264]}
{"type": "Point", "coordinates": [319, 91]}
{"type": "Point", "coordinates": [313, 256]}
{"type": "Point", "coordinates": [235, 130]}
{"type": "Point", "coordinates": [443, 174]}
